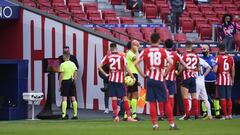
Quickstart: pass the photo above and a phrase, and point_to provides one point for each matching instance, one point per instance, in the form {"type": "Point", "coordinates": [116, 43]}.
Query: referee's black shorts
{"type": "Point", "coordinates": [134, 88]}
{"type": "Point", "coordinates": [68, 88]}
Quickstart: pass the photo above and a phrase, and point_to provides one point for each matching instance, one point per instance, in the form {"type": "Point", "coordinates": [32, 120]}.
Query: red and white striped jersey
{"type": "Point", "coordinates": [225, 63]}
{"type": "Point", "coordinates": [171, 76]}
{"type": "Point", "coordinates": [154, 58]}
{"type": "Point", "coordinates": [192, 61]}
{"type": "Point", "coordinates": [117, 64]}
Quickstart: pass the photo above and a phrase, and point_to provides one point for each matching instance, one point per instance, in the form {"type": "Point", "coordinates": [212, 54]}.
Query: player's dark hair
{"type": "Point", "coordinates": [188, 44]}
{"type": "Point", "coordinates": [113, 45]}
{"type": "Point", "coordinates": [66, 47]}
{"type": "Point", "coordinates": [226, 15]}
{"type": "Point", "coordinates": [221, 47]}
{"type": "Point", "coordinates": [168, 43]}
{"type": "Point", "coordinates": [155, 38]}
{"type": "Point", "coordinates": [129, 45]}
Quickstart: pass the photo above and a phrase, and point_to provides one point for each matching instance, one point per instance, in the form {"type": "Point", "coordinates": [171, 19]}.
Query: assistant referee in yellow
{"type": "Point", "coordinates": [68, 76]}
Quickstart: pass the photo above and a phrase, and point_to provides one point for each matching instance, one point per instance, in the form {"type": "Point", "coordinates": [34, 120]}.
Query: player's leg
{"type": "Point", "coordinates": [129, 95]}
{"type": "Point", "coordinates": [222, 95]}
{"type": "Point", "coordinates": [161, 111]}
{"type": "Point", "coordinates": [229, 101]}
{"type": "Point", "coordinates": [64, 107]}
{"type": "Point", "coordinates": [203, 95]}
{"type": "Point", "coordinates": [162, 96]}
{"type": "Point", "coordinates": [65, 87]}
{"type": "Point", "coordinates": [184, 91]}
{"type": "Point", "coordinates": [195, 104]}
{"type": "Point", "coordinates": [75, 107]}
{"type": "Point", "coordinates": [134, 104]}
{"type": "Point", "coordinates": [151, 98]}
{"type": "Point", "coordinates": [106, 97]}
{"type": "Point", "coordinates": [113, 95]}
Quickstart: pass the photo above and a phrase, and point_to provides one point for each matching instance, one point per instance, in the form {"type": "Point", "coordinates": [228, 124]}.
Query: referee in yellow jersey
{"type": "Point", "coordinates": [68, 76]}
{"type": "Point", "coordinates": [131, 56]}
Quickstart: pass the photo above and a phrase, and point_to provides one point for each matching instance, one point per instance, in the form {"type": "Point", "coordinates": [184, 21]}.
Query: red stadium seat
{"type": "Point", "coordinates": [194, 14]}
{"type": "Point", "coordinates": [231, 7]}
{"type": "Point", "coordinates": [186, 24]}
{"type": "Point", "coordinates": [234, 13]}
{"type": "Point", "coordinates": [104, 30]}
{"type": "Point", "coordinates": [215, 2]}
{"type": "Point", "coordinates": [65, 16]}
{"type": "Point", "coordinates": [205, 32]}
{"type": "Point", "coordinates": [147, 30]}
{"type": "Point", "coordinates": [199, 20]}
{"type": "Point", "coordinates": [180, 37]}
{"type": "Point", "coordinates": [61, 10]}
{"type": "Point", "coordinates": [75, 9]}
{"type": "Point", "coordinates": [116, 32]}
{"type": "Point", "coordinates": [185, 14]}
{"type": "Point", "coordinates": [236, 1]}
{"type": "Point", "coordinates": [161, 1]}
{"type": "Point", "coordinates": [205, 7]}
{"type": "Point", "coordinates": [151, 11]}
{"type": "Point", "coordinates": [226, 1]}
{"type": "Point", "coordinates": [209, 14]}
{"type": "Point", "coordinates": [133, 30]}
{"type": "Point", "coordinates": [126, 20]}
{"type": "Point", "coordinates": [220, 14]}
{"type": "Point", "coordinates": [111, 20]}
{"type": "Point", "coordinates": [191, 7]}
{"type": "Point", "coordinates": [189, 1]}
{"type": "Point", "coordinates": [165, 36]}
{"type": "Point", "coordinates": [96, 20]}
{"type": "Point", "coordinates": [58, 3]}
{"type": "Point", "coordinates": [161, 30]}
{"type": "Point", "coordinates": [90, 6]}
{"type": "Point", "coordinates": [29, 3]}
{"type": "Point", "coordinates": [138, 36]}
{"type": "Point", "coordinates": [73, 3]}
{"type": "Point", "coordinates": [212, 21]}
{"type": "Point", "coordinates": [93, 13]}
{"type": "Point", "coordinates": [115, 2]}
{"type": "Point", "coordinates": [147, 36]}
{"type": "Point", "coordinates": [108, 13]}
{"type": "Point", "coordinates": [80, 14]}
{"type": "Point", "coordinates": [218, 7]}
{"type": "Point", "coordinates": [124, 38]}
{"type": "Point", "coordinates": [164, 12]}
{"type": "Point", "coordinates": [81, 21]}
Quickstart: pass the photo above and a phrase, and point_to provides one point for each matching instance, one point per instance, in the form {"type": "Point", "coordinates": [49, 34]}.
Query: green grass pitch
{"type": "Point", "coordinates": [108, 127]}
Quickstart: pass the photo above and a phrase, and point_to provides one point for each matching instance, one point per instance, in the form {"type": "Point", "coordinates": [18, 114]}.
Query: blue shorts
{"type": "Point", "coordinates": [155, 91]}
{"type": "Point", "coordinates": [171, 86]}
{"type": "Point", "coordinates": [116, 90]}
{"type": "Point", "coordinates": [190, 84]}
{"type": "Point", "coordinates": [223, 91]}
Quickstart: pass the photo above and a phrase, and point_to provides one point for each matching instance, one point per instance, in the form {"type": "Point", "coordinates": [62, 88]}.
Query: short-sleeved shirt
{"type": "Point", "coordinates": [192, 60]}
{"type": "Point", "coordinates": [171, 76]}
{"type": "Point", "coordinates": [130, 61]}
{"type": "Point", "coordinates": [154, 60]}
{"type": "Point", "coordinates": [68, 68]}
{"type": "Point", "coordinates": [225, 63]}
{"type": "Point", "coordinates": [117, 65]}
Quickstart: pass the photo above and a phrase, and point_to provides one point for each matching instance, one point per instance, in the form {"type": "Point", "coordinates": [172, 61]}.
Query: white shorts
{"type": "Point", "coordinates": [201, 89]}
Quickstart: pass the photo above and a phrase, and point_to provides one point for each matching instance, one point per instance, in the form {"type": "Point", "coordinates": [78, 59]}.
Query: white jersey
{"type": "Point", "coordinates": [200, 80]}
{"type": "Point", "coordinates": [203, 65]}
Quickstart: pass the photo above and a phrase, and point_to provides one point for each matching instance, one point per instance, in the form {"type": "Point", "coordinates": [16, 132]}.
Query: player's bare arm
{"type": "Point", "coordinates": [207, 71]}
{"type": "Point", "coordinates": [137, 62]}
{"type": "Point", "coordinates": [101, 70]}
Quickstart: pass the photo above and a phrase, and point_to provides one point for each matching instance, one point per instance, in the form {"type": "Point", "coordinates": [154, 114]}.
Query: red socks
{"type": "Point", "coordinates": [224, 106]}
{"type": "Point", "coordinates": [153, 112]}
{"type": "Point", "coordinates": [161, 109]}
{"type": "Point", "coordinates": [115, 109]}
{"type": "Point", "coordinates": [229, 106]}
{"type": "Point", "coordinates": [195, 106]}
{"type": "Point", "coordinates": [169, 112]}
{"type": "Point", "coordinates": [186, 106]}
{"type": "Point", "coordinates": [171, 100]}
{"type": "Point", "coordinates": [127, 108]}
